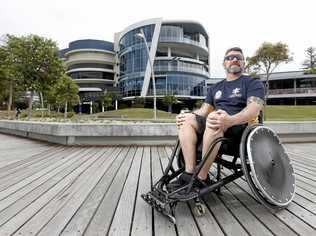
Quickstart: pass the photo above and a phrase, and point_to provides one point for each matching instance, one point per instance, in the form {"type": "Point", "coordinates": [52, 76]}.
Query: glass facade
{"type": "Point", "coordinates": [170, 33]}
{"type": "Point", "coordinates": [170, 84]}
{"type": "Point", "coordinates": [90, 65]}
{"type": "Point", "coordinates": [91, 75]}
{"type": "Point", "coordinates": [181, 77]}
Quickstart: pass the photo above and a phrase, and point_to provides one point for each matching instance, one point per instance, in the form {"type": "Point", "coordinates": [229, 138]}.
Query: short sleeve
{"type": "Point", "coordinates": [255, 89]}
{"type": "Point", "coordinates": [209, 96]}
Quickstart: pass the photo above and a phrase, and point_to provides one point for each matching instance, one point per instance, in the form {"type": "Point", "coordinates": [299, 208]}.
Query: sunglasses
{"type": "Point", "coordinates": [232, 57]}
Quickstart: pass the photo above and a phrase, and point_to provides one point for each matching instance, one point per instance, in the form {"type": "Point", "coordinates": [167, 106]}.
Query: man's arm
{"type": "Point", "coordinates": [250, 112]}
{"type": "Point", "coordinates": [204, 110]}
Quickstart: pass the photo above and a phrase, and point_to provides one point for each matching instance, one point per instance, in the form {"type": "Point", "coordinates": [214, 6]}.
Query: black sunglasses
{"type": "Point", "coordinates": [232, 57]}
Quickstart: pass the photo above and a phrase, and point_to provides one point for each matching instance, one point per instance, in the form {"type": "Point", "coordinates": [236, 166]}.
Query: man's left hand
{"type": "Point", "coordinates": [224, 119]}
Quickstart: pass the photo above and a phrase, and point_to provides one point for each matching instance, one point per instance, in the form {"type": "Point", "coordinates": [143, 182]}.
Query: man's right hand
{"type": "Point", "coordinates": [181, 118]}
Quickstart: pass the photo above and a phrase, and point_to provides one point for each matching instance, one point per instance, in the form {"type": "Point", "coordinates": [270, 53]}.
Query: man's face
{"type": "Point", "coordinates": [234, 62]}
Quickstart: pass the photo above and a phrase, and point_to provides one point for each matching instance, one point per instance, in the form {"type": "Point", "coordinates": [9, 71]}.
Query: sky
{"type": "Point", "coordinates": [243, 23]}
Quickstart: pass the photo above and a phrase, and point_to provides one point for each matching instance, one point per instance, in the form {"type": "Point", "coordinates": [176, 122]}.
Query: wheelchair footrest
{"type": "Point", "coordinates": [161, 204]}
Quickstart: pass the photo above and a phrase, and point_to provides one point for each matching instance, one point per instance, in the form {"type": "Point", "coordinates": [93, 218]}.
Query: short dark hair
{"type": "Point", "coordinates": [237, 49]}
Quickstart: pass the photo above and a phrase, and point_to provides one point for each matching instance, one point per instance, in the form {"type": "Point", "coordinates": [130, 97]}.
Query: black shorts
{"type": "Point", "coordinates": [233, 134]}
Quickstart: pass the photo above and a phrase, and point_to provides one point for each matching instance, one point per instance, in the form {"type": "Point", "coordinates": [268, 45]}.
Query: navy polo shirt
{"type": "Point", "coordinates": [231, 96]}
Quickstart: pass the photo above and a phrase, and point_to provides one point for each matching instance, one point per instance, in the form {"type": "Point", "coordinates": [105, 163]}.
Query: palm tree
{"type": "Point", "coordinates": [169, 100]}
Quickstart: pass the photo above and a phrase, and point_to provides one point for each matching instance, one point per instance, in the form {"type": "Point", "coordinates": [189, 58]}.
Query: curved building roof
{"type": "Point", "coordinates": [88, 44]}
{"type": "Point", "coordinates": [189, 25]}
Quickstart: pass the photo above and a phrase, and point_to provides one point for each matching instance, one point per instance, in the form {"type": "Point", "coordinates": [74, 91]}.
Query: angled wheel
{"type": "Point", "coordinates": [267, 167]}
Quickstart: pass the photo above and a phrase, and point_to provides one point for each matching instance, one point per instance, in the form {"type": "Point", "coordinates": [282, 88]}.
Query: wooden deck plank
{"type": "Point", "coordinates": [24, 163]}
{"type": "Point", "coordinates": [68, 199]}
{"type": "Point", "coordinates": [102, 218]}
{"type": "Point", "coordinates": [125, 208]}
{"type": "Point", "coordinates": [79, 193]}
{"type": "Point", "coordinates": [244, 216]}
{"type": "Point", "coordinates": [28, 194]}
{"type": "Point", "coordinates": [142, 223]}
{"type": "Point", "coordinates": [269, 220]}
{"type": "Point", "coordinates": [92, 191]}
{"type": "Point", "coordinates": [296, 223]}
{"type": "Point", "coordinates": [84, 214]}
{"type": "Point", "coordinates": [22, 212]}
{"type": "Point", "coordinates": [16, 176]}
{"type": "Point", "coordinates": [29, 181]}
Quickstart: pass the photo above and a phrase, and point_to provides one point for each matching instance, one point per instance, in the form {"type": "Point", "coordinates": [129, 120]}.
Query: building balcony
{"type": "Point", "coordinates": [182, 40]}
{"type": "Point", "coordinates": [298, 92]}
{"type": "Point", "coordinates": [160, 68]}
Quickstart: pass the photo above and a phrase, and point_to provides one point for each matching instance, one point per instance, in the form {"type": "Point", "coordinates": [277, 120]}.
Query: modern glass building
{"type": "Point", "coordinates": [180, 51]}
{"type": "Point", "coordinates": [91, 64]}
{"type": "Point", "coordinates": [291, 88]}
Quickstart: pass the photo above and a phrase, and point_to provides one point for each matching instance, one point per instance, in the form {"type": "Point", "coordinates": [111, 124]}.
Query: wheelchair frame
{"type": "Point", "coordinates": [165, 201]}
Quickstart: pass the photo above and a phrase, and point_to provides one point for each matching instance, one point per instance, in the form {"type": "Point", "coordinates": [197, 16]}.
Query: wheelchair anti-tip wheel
{"type": "Point", "coordinates": [267, 167]}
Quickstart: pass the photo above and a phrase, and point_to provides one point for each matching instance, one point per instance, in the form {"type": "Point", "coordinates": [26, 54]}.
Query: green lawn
{"type": "Point", "coordinates": [274, 113]}
{"type": "Point", "coordinates": [138, 113]}
{"type": "Point", "coordinates": [291, 113]}
{"type": "Point", "coordinates": [286, 113]}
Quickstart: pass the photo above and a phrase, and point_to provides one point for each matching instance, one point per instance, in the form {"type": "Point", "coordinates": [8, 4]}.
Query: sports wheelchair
{"type": "Point", "coordinates": [263, 162]}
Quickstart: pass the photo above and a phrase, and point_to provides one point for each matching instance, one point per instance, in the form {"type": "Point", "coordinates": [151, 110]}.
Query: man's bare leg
{"type": "Point", "coordinates": [209, 136]}
{"type": "Point", "coordinates": [188, 140]}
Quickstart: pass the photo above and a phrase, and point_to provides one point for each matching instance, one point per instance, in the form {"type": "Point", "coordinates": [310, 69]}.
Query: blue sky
{"type": "Point", "coordinates": [243, 23]}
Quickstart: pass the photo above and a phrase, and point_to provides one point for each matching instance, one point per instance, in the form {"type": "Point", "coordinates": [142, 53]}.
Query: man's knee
{"type": "Point", "coordinates": [190, 122]}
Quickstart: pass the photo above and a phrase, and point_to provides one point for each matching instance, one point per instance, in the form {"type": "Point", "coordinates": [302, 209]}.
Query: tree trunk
{"type": "Point", "coordinates": [48, 107]}
{"type": "Point", "coordinates": [29, 114]}
{"type": "Point", "coordinates": [10, 96]}
{"type": "Point", "coordinates": [266, 97]}
{"type": "Point", "coordinates": [170, 108]}
{"type": "Point", "coordinates": [58, 109]}
{"type": "Point", "coordinates": [65, 113]}
{"type": "Point", "coordinates": [42, 105]}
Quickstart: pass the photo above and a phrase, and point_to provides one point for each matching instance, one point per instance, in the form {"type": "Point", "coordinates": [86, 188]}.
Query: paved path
{"type": "Point", "coordinates": [54, 190]}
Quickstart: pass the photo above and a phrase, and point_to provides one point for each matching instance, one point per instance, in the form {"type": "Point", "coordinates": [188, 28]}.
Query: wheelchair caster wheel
{"type": "Point", "coordinates": [199, 209]}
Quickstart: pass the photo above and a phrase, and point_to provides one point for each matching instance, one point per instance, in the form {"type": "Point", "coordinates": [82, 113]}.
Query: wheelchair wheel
{"type": "Point", "coordinates": [267, 167]}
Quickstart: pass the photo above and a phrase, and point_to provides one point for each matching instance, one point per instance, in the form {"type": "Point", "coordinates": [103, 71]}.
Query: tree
{"type": "Point", "coordinates": [198, 103]}
{"type": "Point", "coordinates": [8, 77]}
{"type": "Point", "coordinates": [267, 58]}
{"type": "Point", "coordinates": [66, 92]}
{"type": "Point", "coordinates": [107, 101]}
{"type": "Point", "coordinates": [169, 100]}
{"type": "Point", "coordinates": [310, 62]}
{"type": "Point", "coordinates": [37, 62]}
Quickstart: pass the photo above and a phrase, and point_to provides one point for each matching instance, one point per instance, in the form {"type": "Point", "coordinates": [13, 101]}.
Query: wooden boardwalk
{"type": "Point", "coordinates": [49, 190]}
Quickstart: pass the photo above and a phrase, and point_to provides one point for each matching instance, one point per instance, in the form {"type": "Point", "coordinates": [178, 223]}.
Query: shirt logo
{"type": "Point", "coordinates": [218, 94]}
{"type": "Point", "coordinates": [235, 93]}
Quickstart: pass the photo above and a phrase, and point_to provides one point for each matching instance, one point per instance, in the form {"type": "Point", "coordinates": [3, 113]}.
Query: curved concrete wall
{"type": "Point", "coordinates": [133, 133]}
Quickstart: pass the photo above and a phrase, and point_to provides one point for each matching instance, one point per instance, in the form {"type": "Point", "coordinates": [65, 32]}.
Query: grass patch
{"type": "Point", "coordinates": [291, 113]}
{"type": "Point", "coordinates": [137, 113]}
{"type": "Point", "coordinates": [274, 113]}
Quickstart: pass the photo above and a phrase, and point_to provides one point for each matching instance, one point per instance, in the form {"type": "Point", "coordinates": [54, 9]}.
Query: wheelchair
{"type": "Point", "coordinates": [260, 158]}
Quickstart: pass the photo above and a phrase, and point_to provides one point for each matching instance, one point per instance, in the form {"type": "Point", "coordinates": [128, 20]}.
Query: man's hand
{"type": "Point", "coordinates": [181, 118]}
{"type": "Point", "coordinates": [219, 120]}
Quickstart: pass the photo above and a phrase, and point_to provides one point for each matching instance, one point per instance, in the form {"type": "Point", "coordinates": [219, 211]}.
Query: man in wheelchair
{"type": "Point", "coordinates": [221, 126]}
{"type": "Point", "coordinates": [228, 107]}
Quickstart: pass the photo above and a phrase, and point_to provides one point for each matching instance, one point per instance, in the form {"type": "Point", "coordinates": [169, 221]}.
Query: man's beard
{"type": "Point", "coordinates": [234, 69]}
